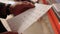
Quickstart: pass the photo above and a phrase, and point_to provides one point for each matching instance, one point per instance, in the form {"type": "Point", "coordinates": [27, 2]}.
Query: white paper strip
{"type": "Point", "coordinates": [21, 22]}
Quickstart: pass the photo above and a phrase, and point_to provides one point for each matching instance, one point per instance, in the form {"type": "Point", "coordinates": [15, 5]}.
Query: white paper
{"type": "Point", "coordinates": [5, 24]}
{"type": "Point", "coordinates": [57, 7]}
{"type": "Point", "coordinates": [21, 22]}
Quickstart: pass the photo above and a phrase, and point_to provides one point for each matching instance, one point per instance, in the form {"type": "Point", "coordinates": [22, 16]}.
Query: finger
{"type": "Point", "coordinates": [29, 4]}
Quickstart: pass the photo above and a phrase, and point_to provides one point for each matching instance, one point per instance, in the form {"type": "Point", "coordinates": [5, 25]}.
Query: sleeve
{"type": "Point", "coordinates": [2, 10]}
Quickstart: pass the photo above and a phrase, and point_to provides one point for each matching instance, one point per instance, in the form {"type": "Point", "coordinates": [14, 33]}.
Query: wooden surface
{"type": "Point", "coordinates": [42, 26]}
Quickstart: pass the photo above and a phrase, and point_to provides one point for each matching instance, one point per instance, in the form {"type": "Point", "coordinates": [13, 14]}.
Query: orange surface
{"type": "Point", "coordinates": [53, 20]}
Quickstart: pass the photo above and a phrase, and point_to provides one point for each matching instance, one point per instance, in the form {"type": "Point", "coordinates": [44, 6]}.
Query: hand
{"type": "Point", "coordinates": [9, 33]}
{"type": "Point", "coordinates": [20, 7]}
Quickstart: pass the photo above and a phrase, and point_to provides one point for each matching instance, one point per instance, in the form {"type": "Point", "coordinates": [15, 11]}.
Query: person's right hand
{"type": "Point", "coordinates": [20, 7]}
